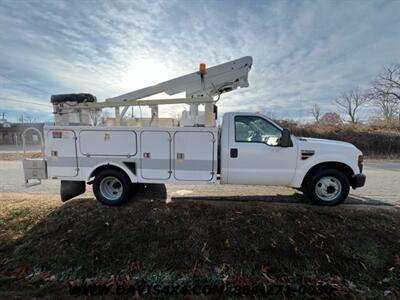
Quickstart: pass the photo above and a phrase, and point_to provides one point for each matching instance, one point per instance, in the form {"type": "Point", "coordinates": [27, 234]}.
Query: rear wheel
{"type": "Point", "coordinates": [327, 187]}
{"type": "Point", "coordinates": [112, 187]}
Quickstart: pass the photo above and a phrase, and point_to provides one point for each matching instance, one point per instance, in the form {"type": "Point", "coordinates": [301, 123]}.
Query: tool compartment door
{"type": "Point", "coordinates": [155, 151]}
{"type": "Point", "coordinates": [193, 156]}
{"type": "Point", "coordinates": [62, 159]}
{"type": "Point", "coordinates": [107, 143]}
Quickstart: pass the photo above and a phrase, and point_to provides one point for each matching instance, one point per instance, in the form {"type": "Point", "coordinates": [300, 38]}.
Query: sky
{"type": "Point", "coordinates": [304, 52]}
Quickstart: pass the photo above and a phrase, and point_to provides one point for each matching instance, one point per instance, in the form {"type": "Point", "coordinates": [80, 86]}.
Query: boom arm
{"type": "Point", "coordinates": [214, 81]}
{"type": "Point", "coordinates": [200, 88]}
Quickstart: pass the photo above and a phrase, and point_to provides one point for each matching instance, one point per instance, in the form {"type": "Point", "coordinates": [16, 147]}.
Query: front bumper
{"type": "Point", "coordinates": [358, 180]}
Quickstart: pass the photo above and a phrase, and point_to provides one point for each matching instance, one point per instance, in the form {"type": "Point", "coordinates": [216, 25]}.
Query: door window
{"type": "Point", "coordinates": [256, 129]}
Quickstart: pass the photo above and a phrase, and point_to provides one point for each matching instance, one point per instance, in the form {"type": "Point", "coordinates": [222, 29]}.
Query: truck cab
{"type": "Point", "coordinates": [252, 152]}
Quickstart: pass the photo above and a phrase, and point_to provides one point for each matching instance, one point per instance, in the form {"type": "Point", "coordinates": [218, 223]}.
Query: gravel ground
{"type": "Point", "coordinates": [382, 188]}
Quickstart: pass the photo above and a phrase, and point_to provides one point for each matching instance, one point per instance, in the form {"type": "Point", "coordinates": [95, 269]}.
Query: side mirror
{"type": "Point", "coordinates": [285, 138]}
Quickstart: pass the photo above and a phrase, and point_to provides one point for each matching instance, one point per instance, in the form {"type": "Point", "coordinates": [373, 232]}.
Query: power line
{"type": "Point", "coordinates": [24, 101]}
{"type": "Point", "coordinates": [26, 84]}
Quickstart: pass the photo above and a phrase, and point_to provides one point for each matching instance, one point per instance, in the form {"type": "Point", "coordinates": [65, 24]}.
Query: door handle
{"type": "Point", "coordinates": [234, 152]}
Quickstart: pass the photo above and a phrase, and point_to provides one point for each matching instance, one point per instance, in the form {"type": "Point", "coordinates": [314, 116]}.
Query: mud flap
{"type": "Point", "coordinates": [71, 189]}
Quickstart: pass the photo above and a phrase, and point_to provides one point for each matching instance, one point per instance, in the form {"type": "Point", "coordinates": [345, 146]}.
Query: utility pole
{"type": "Point", "coordinates": [3, 115]}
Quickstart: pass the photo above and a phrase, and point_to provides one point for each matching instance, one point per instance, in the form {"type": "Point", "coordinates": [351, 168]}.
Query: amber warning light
{"type": "Point", "coordinates": [202, 68]}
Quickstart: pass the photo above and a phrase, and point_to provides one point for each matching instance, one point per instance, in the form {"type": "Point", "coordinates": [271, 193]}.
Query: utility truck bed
{"type": "Point", "coordinates": [146, 154]}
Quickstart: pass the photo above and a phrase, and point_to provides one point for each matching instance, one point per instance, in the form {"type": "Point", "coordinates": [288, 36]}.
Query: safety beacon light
{"type": "Point", "coordinates": [202, 69]}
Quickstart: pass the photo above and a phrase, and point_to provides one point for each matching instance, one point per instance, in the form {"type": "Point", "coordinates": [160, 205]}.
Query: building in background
{"type": "Point", "coordinates": [10, 133]}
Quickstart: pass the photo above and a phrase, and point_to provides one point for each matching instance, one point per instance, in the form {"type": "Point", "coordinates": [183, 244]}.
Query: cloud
{"type": "Point", "coordinates": [304, 52]}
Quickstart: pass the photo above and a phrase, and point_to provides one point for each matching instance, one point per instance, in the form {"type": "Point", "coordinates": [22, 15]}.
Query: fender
{"type": "Point", "coordinates": [302, 169]}
{"type": "Point", "coordinates": [122, 166]}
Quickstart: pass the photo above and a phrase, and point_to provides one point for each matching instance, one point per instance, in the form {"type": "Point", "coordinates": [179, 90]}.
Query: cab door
{"type": "Point", "coordinates": [255, 156]}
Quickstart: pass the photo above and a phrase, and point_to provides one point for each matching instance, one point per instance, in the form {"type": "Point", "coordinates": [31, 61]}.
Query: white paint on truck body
{"type": "Point", "coordinates": [325, 151]}
{"type": "Point", "coordinates": [190, 154]}
{"type": "Point", "coordinates": [102, 143]}
{"type": "Point", "coordinates": [155, 155]}
{"type": "Point", "coordinates": [156, 160]}
{"type": "Point", "coordinates": [256, 162]}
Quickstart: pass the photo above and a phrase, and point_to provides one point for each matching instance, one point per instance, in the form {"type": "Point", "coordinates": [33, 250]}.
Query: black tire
{"type": "Point", "coordinates": [112, 187]}
{"type": "Point", "coordinates": [329, 183]}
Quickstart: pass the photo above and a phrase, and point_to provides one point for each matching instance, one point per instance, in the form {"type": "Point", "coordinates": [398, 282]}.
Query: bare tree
{"type": "Point", "coordinates": [316, 112]}
{"type": "Point", "coordinates": [351, 102]}
{"type": "Point", "coordinates": [388, 82]}
{"type": "Point", "coordinates": [21, 118]}
{"type": "Point", "coordinates": [271, 115]}
{"type": "Point", "coordinates": [386, 93]}
{"type": "Point", "coordinates": [102, 116]}
{"type": "Point", "coordinates": [388, 106]}
{"type": "Point", "coordinates": [30, 119]}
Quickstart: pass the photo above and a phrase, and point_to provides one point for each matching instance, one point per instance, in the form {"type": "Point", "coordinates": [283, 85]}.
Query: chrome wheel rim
{"type": "Point", "coordinates": [328, 188]}
{"type": "Point", "coordinates": [111, 188]}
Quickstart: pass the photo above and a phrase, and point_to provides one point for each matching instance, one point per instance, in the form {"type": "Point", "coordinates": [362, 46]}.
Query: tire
{"type": "Point", "coordinates": [327, 187]}
{"type": "Point", "coordinates": [112, 187]}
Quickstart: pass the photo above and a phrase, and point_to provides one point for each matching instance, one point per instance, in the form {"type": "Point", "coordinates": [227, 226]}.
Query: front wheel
{"type": "Point", "coordinates": [327, 187]}
{"type": "Point", "coordinates": [112, 187]}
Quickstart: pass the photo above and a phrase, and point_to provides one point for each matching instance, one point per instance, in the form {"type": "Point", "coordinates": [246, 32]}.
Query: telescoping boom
{"type": "Point", "coordinates": [201, 87]}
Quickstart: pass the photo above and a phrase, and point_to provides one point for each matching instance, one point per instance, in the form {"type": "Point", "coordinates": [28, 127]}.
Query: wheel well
{"type": "Point", "coordinates": [330, 165]}
{"type": "Point", "coordinates": [105, 167]}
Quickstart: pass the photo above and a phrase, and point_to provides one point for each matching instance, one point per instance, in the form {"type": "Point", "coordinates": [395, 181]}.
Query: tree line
{"type": "Point", "coordinates": [384, 95]}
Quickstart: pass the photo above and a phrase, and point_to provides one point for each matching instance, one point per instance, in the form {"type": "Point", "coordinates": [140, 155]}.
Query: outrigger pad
{"type": "Point", "coordinates": [71, 189]}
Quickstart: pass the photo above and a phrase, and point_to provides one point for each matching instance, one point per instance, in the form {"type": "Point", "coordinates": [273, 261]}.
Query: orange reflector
{"type": "Point", "coordinates": [202, 68]}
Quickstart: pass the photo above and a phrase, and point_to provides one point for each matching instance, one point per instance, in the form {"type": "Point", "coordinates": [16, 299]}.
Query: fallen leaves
{"type": "Point", "coordinates": [227, 243]}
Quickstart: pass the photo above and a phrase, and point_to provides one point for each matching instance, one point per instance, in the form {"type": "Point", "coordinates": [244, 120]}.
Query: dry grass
{"type": "Point", "coordinates": [8, 156]}
{"type": "Point", "coordinates": [238, 240]}
{"type": "Point", "coordinates": [375, 140]}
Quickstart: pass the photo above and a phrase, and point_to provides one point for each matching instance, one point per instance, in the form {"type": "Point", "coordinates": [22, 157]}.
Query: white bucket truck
{"type": "Point", "coordinates": [247, 149]}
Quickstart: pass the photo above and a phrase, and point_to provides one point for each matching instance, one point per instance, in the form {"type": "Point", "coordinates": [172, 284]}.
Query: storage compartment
{"type": "Point", "coordinates": [61, 153]}
{"type": "Point", "coordinates": [155, 155]}
{"type": "Point", "coordinates": [194, 156]}
{"type": "Point", "coordinates": [108, 143]}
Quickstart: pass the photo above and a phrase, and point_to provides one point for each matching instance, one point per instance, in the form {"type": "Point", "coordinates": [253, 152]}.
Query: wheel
{"type": "Point", "coordinates": [327, 187]}
{"type": "Point", "coordinates": [112, 187]}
